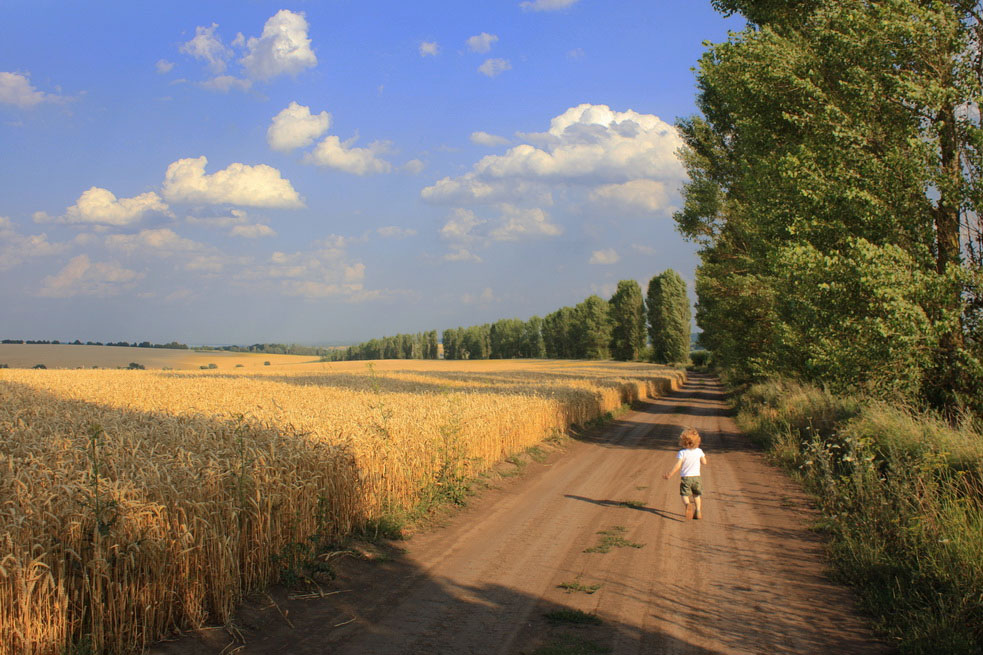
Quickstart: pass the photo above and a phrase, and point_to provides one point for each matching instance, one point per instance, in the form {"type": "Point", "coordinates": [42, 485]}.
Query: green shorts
{"type": "Point", "coordinates": [691, 485]}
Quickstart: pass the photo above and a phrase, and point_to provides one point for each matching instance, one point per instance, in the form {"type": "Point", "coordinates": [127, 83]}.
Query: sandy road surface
{"type": "Point", "coordinates": [748, 578]}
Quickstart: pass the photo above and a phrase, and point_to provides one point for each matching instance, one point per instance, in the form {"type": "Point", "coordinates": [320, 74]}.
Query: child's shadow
{"type": "Point", "coordinates": [618, 503]}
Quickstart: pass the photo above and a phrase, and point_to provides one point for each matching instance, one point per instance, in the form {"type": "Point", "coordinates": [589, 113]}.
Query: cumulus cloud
{"type": "Point", "coordinates": [481, 42]}
{"type": "Point", "coordinates": [460, 226]}
{"type": "Point", "coordinates": [163, 66]}
{"type": "Point", "coordinates": [283, 49]}
{"type": "Point", "coordinates": [516, 223]}
{"type": "Point", "coordinates": [604, 257]}
{"type": "Point", "coordinates": [429, 49]}
{"type": "Point", "coordinates": [332, 152]}
{"type": "Point", "coordinates": [208, 48]}
{"type": "Point", "coordinates": [494, 67]}
{"type": "Point", "coordinates": [239, 184]}
{"type": "Point", "coordinates": [101, 206]}
{"type": "Point", "coordinates": [645, 196]}
{"type": "Point", "coordinates": [160, 241]}
{"type": "Point", "coordinates": [226, 83]}
{"type": "Point", "coordinates": [461, 255]}
{"type": "Point", "coordinates": [15, 248]}
{"type": "Point", "coordinates": [296, 127]}
{"type": "Point", "coordinates": [83, 277]}
{"type": "Point", "coordinates": [254, 231]}
{"type": "Point", "coordinates": [546, 5]}
{"type": "Point", "coordinates": [16, 89]}
{"type": "Point", "coordinates": [486, 139]}
{"type": "Point", "coordinates": [587, 146]}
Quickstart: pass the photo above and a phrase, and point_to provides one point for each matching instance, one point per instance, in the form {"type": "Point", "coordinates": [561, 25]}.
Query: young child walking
{"type": "Point", "coordinates": [688, 461]}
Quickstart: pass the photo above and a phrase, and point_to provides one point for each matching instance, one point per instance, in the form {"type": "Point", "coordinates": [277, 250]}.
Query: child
{"type": "Point", "coordinates": [689, 459]}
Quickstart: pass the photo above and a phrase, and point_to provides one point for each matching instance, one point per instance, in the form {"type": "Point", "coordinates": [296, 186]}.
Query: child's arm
{"type": "Point", "coordinates": [675, 468]}
{"type": "Point", "coordinates": [703, 460]}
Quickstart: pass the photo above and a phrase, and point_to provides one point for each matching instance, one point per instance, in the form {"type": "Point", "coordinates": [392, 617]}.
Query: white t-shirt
{"type": "Point", "coordinates": [691, 461]}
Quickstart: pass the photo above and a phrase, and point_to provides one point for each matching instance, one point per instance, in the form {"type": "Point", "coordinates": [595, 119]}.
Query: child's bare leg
{"type": "Point", "coordinates": [687, 508]}
{"type": "Point", "coordinates": [698, 501]}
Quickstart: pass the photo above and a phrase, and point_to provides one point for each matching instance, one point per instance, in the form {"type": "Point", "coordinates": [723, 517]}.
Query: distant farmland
{"type": "Point", "coordinates": [68, 356]}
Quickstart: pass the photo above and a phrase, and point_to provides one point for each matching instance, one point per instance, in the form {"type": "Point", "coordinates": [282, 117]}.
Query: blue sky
{"type": "Point", "coordinates": [240, 172]}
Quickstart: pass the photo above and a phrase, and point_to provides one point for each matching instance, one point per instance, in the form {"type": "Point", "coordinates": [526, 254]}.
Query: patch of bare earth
{"type": "Point", "coordinates": [524, 569]}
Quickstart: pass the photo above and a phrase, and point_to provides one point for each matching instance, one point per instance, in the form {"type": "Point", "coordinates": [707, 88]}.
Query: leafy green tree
{"type": "Point", "coordinates": [627, 321]}
{"type": "Point", "coordinates": [838, 131]}
{"type": "Point", "coordinates": [591, 329]}
{"type": "Point", "coordinates": [558, 334]}
{"type": "Point", "coordinates": [505, 338]}
{"type": "Point", "coordinates": [533, 343]}
{"type": "Point", "coordinates": [669, 318]}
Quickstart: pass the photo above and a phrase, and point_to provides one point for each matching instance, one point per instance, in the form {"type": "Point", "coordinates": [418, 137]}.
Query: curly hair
{"type": "Point", "coordinates": [690, 438]}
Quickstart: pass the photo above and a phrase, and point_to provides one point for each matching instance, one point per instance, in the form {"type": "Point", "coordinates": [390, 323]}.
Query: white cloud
{"type": "Point", "coordinates": [160, 241]}
{"type": "Point", "coordinates": [15, 248]}
{"type": "Point", "coordinates": [238, 184]}
{"type": "Point", "coordinates": [429, 49]}
{"type": "Point", "coordinates": [225, 83]}
{"type": "Point", "coordinates": [283, 48]}
{"type": "Point", "coordinates": [494, 67]}
{"type": "Point", "coordinates": [254, 231]}
{"type": "Point", "coordinates": [517, 223]}
{"type": "Point", "coordinates": [16, 89]}
{"type": "Point", "coordinates": [462, 255]}
{"type": "Point", "coordinates": [587, 146]}
{"type": "Point", "coordinates": [164, 66]}
{"type": "Point", "coordinates": [82, 277]}
{"type": "Point", "coordinates": [395, 232]}
{"type": "Point", "coordinates": [321, 273]}
{"type": "Point", "coordinates": [296, 127]}
{"type": "Point", "coordinates": [459, 228]}
{"type": "Point", "coordinates": [486, 139]}
{"type": "Point", "coordinates": [481, 42]}
{"type": "Point", "coordinates": [333, 153]}
{"type": "Point", "coordinates": [646, 196]}
{"type": "Point", "coordinates": [100, 206]}
{"type": "Point", "coordinates": [235, 217]}
{"type": "Point", "coordinates": [546, 5]}
{"type": "Point", "coordinates": [645, 250]}
{"type": "Point", "coordinates": [604, 257]}
{"type": "Point", "coordinates": [414, 166]}
{"type": "Point", "coordinates": [207, 47]}
{"type": "Point", "coordinates": [576, 53]}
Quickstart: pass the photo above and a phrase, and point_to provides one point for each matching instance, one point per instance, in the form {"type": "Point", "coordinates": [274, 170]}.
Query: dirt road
{"type": "Point", "coordinates": [748, 578]}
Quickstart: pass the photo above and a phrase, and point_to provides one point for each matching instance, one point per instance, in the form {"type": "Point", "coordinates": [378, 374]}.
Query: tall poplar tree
{"type": "Point", "coordinates": [627, 321]}
{"type": "Point", "coordinates": [669, 318]}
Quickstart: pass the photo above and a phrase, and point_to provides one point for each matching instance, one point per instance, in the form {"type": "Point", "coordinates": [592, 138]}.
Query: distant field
{"type": "Point", "coordinates": [18, 355]}
{"type": "Point", "coordinates": [136, 503]}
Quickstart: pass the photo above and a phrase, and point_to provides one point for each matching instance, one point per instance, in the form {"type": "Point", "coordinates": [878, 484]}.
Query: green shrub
{"type": "Point", "coordinates": [700, 357]}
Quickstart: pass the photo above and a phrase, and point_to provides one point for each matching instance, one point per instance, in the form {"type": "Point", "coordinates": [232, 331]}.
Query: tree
{"type": "Point", "coordinates": [558, 334]}
{"type": "Point", "coordinates": [533, 344]}
{"type": "Point", "coordinates": [834, 190]}
{"type": "Point", "coordinates": [590, 332]}
{"type": "Point", "coordinates": [668, 318]}
{"type": "Point", "coordinates": [627, 321]}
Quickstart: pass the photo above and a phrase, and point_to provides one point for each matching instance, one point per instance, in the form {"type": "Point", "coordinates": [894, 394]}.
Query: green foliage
{"type": "Point", "coordinates": [627, 321]}
{"type": "Point", "coordinates": [835, 183]}
{"type": "Point", "coordinates": [612, 538]}
{"type": "Point", "coordinates": [136, 367]}
{"type": "Point", "coordinates": [591, 329]}
{"type": "Point", "coordinates": [901, 495]}
{"type": "Point", "coordinates": [669, 318]}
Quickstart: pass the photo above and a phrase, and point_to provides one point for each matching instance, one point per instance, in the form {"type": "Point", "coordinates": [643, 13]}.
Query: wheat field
{"type": "Point", "coordinates": [136, 503]}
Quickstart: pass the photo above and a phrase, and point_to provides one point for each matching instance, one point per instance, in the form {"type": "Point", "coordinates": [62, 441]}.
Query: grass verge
{"type": "Point", "coordinates": [901, 495]}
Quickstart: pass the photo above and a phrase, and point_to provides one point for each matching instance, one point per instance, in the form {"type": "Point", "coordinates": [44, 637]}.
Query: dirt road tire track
{"type": "Point", "coordinates": [748, 578]}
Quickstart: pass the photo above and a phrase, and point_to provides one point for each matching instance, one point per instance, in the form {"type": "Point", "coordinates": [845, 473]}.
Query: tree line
{"type": "Point", "coordinates": [835, 183]}
{"type": "Point", "coordinates": [173, 345]}
{"type": "Point", "coordinates": [626, 327]}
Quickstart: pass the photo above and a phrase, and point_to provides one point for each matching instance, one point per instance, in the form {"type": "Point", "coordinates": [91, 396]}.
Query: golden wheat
{"type": "Point", "coordinates": [134, 503]}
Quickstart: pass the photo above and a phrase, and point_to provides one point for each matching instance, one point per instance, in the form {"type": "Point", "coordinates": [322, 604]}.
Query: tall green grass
{"type": "Point", "coordinates": [901, 494]}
